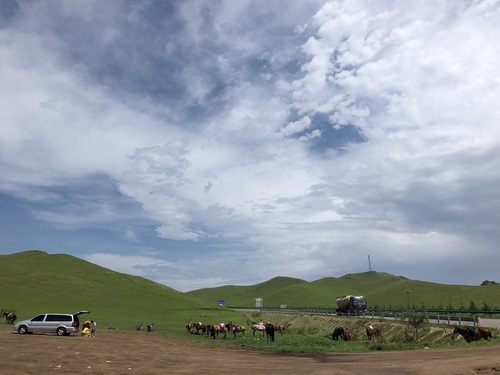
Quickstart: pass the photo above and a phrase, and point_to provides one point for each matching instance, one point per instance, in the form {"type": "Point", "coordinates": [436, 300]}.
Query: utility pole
{"type": "Point", "coordinates": [369, 264]}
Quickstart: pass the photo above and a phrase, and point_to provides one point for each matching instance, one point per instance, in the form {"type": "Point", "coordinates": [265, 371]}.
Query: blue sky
{"type": "Point", "coordinates": [208, 143]}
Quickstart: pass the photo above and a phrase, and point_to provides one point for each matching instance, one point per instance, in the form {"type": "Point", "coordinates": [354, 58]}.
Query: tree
{"type": "Point", "coordinates": [417, 321]}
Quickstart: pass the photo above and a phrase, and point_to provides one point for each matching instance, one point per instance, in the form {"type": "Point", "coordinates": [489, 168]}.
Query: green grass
{"type": "Point", "coordinates": [34, 282]}
{"type": "Point", "coordinates": [381, 290]}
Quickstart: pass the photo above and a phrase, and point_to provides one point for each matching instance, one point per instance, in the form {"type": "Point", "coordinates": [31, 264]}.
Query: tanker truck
{"type": "Point", "coordinates": [351, 304]}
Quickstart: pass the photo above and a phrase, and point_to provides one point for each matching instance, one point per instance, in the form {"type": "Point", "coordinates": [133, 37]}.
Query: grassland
{"type": "Point", "coordinates": [35, 282]}
{"type": "Point", "coordinates": [382, 290]}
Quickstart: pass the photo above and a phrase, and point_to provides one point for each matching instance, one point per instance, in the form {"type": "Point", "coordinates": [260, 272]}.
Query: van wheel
{"type": "Point", "coordinates": [61, 331]}
{"type": "Point", "coordinates": [22, 330]}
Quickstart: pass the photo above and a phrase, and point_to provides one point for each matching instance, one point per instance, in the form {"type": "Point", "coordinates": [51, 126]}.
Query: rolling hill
{"type": "Point", "coordinates": [382, 290]}
{"type": "Point", "coordinates": [34, 282]}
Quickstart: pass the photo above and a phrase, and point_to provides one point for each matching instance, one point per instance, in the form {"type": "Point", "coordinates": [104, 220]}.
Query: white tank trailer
{"type": "Point", "coordinates": [351, 304]}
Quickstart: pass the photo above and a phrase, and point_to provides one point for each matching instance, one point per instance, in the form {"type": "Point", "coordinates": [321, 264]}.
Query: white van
{"type": "Point", "coordinates": [60, 324]}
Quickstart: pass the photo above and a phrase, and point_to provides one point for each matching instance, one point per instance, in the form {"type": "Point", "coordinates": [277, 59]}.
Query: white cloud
{"type": "Point", "coordinates": [219, 128]}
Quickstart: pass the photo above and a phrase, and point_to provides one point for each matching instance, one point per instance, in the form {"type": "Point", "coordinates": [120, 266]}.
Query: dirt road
{"type": "Point", "coordinates": [118, 352]}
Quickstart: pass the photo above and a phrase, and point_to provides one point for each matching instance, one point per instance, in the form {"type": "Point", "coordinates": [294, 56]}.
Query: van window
{"type": "Point", "coordinates": [58, 318]}
{"type": "Point", "coordinates": [38, 318]}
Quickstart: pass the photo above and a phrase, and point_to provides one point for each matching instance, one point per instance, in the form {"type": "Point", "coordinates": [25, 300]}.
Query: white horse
{"type": "Point", "coordinates": [258, 327]}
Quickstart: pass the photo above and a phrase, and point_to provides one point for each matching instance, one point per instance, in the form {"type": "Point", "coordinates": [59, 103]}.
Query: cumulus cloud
{"type": "Point", "coordinates": [307, 135]}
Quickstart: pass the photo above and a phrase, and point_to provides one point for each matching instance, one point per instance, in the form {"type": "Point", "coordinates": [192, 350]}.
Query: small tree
{"type": "Point", "coordinates": [417, 321]}
{"type": "Point", "coordinates": [472, 306]}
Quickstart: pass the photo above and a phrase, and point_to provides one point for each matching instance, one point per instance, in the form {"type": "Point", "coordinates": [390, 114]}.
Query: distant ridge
{"type": "Point", "coordinates": [381, 289]}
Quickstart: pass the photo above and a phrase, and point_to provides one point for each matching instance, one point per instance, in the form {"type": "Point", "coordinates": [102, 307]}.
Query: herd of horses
{"type": "Point", "coordinates": [344, 334]}
{"type": "Point", "coordinates": [373, 333]}
{"type": "Point", "coordinates": [269, 329]}
{"type": "Point", "coordinates": [339, 333]}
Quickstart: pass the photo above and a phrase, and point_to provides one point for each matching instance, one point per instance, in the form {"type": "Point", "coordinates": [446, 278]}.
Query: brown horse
{"type": "Point", "coordinates": [189, 325]}
{"type": "Point", "coordinates": [471, 334]}
{"type": "Point", "coordinates": [281, 328]}
{"type": "Point", "coordinates": [218, 328]}
{"type": "Point", "coordinates": [484, 332]}
{"type": "Point", "coordinates": [347, 335]}
{"type": "Point", "coordinates": [235, 328]}
{"type": "Point", "coordinates": [372, 332]}
{"type": "Point", "coordinates": [10, 317]}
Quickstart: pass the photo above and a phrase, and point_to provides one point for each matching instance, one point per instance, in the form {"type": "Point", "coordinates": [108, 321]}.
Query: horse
{"type": "Point", "coordinates": [219, 328]}
{"type": "Point", "coordinates": [269, 331]}
{"type": "Point", "coordinates": [189, 325]}
{"type": "Point", "coordinates": [235, 328]}
{"type": "Point", "coordinates": [281, 328]}
{"type": "Point", "coordinates": [199, 327]}
{"type": "Point", "coordinates": [261, 327]}
{"type": "Point", "coordinates": [151, 327]}
{"type": "Point", "coordinates": [485, 333]}
{"type": "Point", "coordinates": [338, 333]}
{"type": "Point", "coordinates": [10, 317]}
{"type": "Point", "coordinates": [471, 334]}
{"type": "Point", "coordinates": [347, 335]}
{"type": "Point", "coordinates": [372, 332]}
{"type": "Point", "coordinates": [138, 327]}
{"type": "Point", "coordinates": [209, 329]}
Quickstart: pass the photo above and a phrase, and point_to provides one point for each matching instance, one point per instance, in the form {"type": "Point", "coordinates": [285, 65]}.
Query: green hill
{"type": "Point", "coordinates": [381, 290]}
{"type": "Point", "coordinates": [34, 282]}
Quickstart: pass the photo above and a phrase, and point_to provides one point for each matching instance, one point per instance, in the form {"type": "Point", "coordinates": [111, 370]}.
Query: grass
{"type": "Point", "coordinates": [35, 282]}
{"type": "Point", "coordinates": [381, 290]}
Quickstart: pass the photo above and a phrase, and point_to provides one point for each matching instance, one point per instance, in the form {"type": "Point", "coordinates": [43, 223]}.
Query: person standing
{"type": "Point", "coordinates": [93, 326]}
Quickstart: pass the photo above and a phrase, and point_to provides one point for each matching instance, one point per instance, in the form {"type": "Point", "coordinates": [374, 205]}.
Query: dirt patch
{"type": "Point", "coordinates": [120, 352]}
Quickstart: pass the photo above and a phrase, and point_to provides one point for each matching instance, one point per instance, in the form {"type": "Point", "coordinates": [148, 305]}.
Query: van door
{"type": "Point", "coordinates": [36, 324]}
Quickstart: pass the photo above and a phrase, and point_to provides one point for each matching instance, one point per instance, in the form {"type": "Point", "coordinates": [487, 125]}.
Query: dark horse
{"type": "Point", "coordinates": [372, 332]}
{"type": "Point", "coordinates": [341, 333]}
{"type": "Point", "coordinates": [338, 333]}
{"type": "Point", "coordinates": [471, 334]}
{"type": "Point", "coordinates": [10, 317]}
{"type": "Point", "coordinates": [270, 331]}
{"type": "Point", "coordinates": [199, 327]}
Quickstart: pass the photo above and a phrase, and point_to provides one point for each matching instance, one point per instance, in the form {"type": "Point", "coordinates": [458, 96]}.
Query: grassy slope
{"type": "Point", "coordinates": [34, 282]}
{"type": "Point", "coordinates": [379, 288]}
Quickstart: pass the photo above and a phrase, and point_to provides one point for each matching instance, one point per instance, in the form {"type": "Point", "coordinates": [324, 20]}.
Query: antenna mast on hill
{"type": "Point", "coordinates": [369, 264]}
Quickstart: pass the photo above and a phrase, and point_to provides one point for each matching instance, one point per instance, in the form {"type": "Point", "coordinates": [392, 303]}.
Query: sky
{"type": "Point", "coordinates": [203, 143]}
